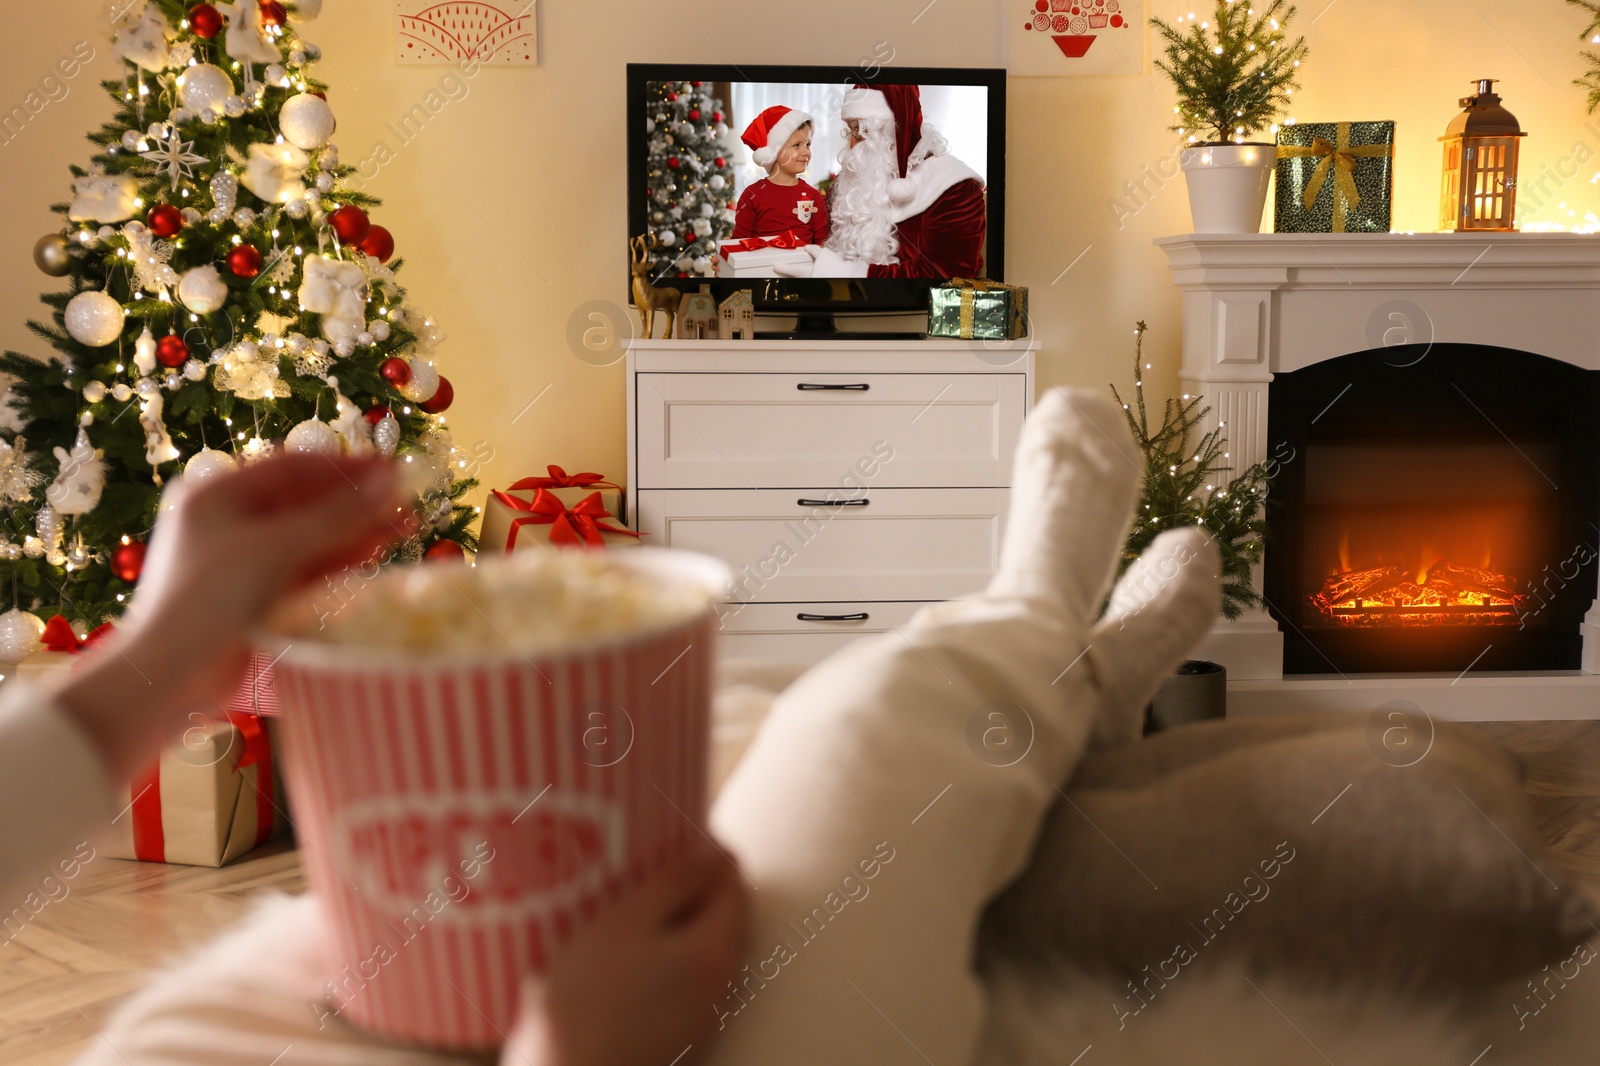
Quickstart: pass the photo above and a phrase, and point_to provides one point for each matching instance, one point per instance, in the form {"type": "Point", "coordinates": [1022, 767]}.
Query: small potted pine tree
{"type": "Point", "coordinates": [1234, 74]}
{"type": "Point", "coordinates": [1189, 480]}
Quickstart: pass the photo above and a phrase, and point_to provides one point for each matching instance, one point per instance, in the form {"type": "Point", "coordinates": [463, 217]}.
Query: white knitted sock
{"type": "Point", "coordinates": [1073, 486]}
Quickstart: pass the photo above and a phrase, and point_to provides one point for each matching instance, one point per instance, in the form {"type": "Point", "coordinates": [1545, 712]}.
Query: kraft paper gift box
{"type": "Point", "coordinates": [975, 309]}
{"type": "Point", "coordinates": [215, 793]}
{"type": "Point", "coordinates": [757, 257]}
{"type": "Point", "coordinates": [543, 520]}
{"type": "Point", "coordinates": [1335, 177]}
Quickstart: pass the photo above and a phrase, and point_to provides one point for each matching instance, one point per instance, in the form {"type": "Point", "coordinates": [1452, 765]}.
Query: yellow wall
{"type": "Point", "coordinates": [509, 205]}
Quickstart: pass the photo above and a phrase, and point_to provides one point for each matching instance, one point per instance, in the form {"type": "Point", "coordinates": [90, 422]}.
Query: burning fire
{"type": "Point", "coordinates": [1433, 592]}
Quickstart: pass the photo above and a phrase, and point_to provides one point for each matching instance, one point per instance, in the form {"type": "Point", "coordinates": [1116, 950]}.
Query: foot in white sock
{"type": "Point", "coordinates": [1073, 486]}
{"type": "Point", "coordinates": [1159, 611]}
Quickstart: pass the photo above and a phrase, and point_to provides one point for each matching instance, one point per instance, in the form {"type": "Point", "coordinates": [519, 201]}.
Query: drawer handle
{"type": "Point", "coordinates": [862, 617]}
{"type": "Point", "coordinates": [832, 503]}
{"type": "Point", "coordinates": [806, 387]}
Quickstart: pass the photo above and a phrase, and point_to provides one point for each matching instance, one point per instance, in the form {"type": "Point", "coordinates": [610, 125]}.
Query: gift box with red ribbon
{"type": "Point", "coordinates": [562, 511]}
{"type": "Point", "coordinates": [215, 793]}
{"type": "Point", "coordinates": [755, 257]}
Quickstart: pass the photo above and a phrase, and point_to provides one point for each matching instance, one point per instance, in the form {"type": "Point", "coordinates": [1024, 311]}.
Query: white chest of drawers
{"type": "Point", "coordinates": [846, 483]}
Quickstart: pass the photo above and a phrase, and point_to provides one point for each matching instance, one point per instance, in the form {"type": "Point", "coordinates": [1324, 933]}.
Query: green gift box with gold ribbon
{"type": "Point", "coordinates": [976, 309]}
{"type": "Point", "coordinates": [1335, 177]}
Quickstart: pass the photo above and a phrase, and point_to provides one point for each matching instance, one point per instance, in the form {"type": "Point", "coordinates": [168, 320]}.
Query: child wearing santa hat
{"type": "Point", "coordinates": [782, 202]}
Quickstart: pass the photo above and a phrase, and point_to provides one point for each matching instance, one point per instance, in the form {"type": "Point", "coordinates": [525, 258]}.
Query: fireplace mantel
{"type": "Point", "coordinates": [1259, 304]}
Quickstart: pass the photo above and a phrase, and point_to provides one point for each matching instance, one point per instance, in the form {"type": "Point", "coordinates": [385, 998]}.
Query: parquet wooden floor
{"type": "Point", "coordinates": [64, 973]}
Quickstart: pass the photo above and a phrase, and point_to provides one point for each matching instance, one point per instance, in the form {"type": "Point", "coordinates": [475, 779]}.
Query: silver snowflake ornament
{"type": "Point", "coordinates": [176, 158]}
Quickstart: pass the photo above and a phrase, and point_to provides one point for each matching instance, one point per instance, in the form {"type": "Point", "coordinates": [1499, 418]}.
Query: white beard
{"type": "Point", "coordinates": [859, 208]}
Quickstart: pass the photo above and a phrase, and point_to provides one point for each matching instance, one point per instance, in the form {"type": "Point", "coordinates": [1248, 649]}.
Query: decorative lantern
{"type": "Point", "coordinates": [1480, 165]}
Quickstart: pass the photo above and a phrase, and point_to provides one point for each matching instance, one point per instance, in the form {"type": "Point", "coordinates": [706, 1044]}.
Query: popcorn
{"type": "Point", "coordinates": [528, 603]}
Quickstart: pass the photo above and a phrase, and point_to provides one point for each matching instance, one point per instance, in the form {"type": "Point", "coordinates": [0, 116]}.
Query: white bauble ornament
{"type": "Point", "coordinates": [121, 392]}
{"type": "Point", "coordinates": [297, 209]}
{"type": "Point", "coordinates": [666, 238]}
{"type": "Point", "coordinates": [245, 217]}
{"type": "Point", "coordinates": [275, 172]}
{"type": "Point", "coordinates": [306, 121]}
{"type": "Point", "coordinates": [81, 479]}
{"type": "Point", "coordinates": [194, 370]}
{"type": "Point", "coordinates": [104, 198]}
{"type": "Point", "coordinates": [234, 107]}
{"type": "Point", "coordinates": [202, 290]}
{"type": "Point", "coordinates": [706, 210]}
{"type": "Point", "coordinates": [19, 632]}
{"type": "Point", "coordinates": [94, 392]}
{"type": "Point", "coordinates": [172, 381]}
{"type": "Point", "coordinates": [208, 462]}
{"type": "Point", "coordinates": [379, 329]}
{"type": "Point", "coordinates": [717, 182]}
{"type": "Point", "coordinates": [93, 318]}
{"type": "Point", "coordinates": [312, 435]}
{"type": "Point", "coordinates": [324, 182]}
{"type": "Point", "coordinates": [144, 353]}
{"type": "Point", "coordinates": [204, 89]}
{"type": "Point", "coordinates": [386, 435]}
{"type": "Point", "coordinates": [276, 75]}
{"type": "Point", "coordinates": [424, 381]}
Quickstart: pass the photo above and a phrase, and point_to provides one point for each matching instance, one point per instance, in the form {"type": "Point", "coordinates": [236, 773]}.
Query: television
{"type": "Point", "coordinates": [811, 169]}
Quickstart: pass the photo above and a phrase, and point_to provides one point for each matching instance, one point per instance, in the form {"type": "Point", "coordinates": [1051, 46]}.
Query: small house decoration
{"type": "Point", "coordinates": [738, 317]}
{"type": "Point", "coordinates": [1480, 165]}
{"type": "Point", "coordinates": [697, 315]}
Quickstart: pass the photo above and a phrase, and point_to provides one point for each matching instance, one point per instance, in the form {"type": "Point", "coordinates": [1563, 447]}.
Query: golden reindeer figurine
{"type": "Point", "coordinates": [646, 297]}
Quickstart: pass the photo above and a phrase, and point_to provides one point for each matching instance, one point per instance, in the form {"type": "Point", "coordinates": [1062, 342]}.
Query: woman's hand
{"type": "Point", "coordinates": [639, 984]}
{"type": "Point", "coordinates": [224, 551]}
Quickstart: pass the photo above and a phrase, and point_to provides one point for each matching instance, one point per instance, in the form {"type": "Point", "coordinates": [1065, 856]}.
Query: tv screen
{"type": "Point", "coordinates": [816, 188]}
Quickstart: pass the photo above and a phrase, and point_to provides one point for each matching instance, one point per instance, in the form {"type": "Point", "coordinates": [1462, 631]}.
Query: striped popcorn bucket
{"type": "Point", "coordinates": [459, 817]}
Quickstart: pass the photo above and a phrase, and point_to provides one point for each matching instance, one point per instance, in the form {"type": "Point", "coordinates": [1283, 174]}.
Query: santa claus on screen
{"type": "Point", "coordinates": [902, 206]}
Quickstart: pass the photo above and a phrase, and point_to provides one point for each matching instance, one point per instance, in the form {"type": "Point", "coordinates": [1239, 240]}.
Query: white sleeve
{"type": "Point", "coordinates": [55, 791]}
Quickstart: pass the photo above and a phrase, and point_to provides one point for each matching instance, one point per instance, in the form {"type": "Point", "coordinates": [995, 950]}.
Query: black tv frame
{"type": "Point", "coordinates": [799, 296]}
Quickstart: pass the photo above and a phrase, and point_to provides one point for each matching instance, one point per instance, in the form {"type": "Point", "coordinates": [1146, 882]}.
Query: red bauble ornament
{"type": "Point", "coordinates": [444, 550]}
{"type": "Point", "coordinates": [694, 114]}
{"type": "Point", "coordinates": [127, 561]}
{"type": "Point", "coordinates": [716, 116]}
{"type": "Point", "coordinates": [171, 352]}
{"type": "Point", "coordinates": [375, 414]}
{"type": "Point", "coordinates": [673, 162]}
{"type": "Point", "coordinates": [697, 84]}
{"type": "Point", "coordinates": [272, 13]}
{"type": "Point", "coordinates": [440, 401]}
{"type": "Point", "coordinates": [205, 20]}
{"type": "Point", "coordinates": [351, 224]}
{"type": "Point", "coordinates": [165, 220]}
{"type": "Point", "coordinates": [672, 96]}
{"type": "Point", "coordinates": [379, 243]}
{"type": "Point", "coordinates": [396, 372]}
{"type": "Point", "coordinates": [721, 162]}
{"type": "Point", "coordinates": [244, 261]}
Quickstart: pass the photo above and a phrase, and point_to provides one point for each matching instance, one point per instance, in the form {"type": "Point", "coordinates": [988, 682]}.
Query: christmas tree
{"type": "Point", "coordinates": [225, 291]}
{"type": "Point", "coordinates": [690, 178]}
{"type": "Point", "coordinates": [1184, 485]}
{"type": "Point", "coordinates": [1591, 33]}
{"type": "Point", "coordinates": [1235, 72]}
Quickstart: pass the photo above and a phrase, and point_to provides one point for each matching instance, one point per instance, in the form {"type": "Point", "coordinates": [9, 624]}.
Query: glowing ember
{"type": "Point", "coordinates": [1433, 594]}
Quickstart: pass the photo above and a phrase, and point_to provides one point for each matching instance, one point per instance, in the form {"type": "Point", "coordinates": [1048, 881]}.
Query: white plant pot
{"type": "Point", "coordinates": [1228, 185]}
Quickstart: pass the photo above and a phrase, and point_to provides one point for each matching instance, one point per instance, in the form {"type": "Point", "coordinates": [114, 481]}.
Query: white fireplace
{"type": "Point", "coordinates": [1259, 305]}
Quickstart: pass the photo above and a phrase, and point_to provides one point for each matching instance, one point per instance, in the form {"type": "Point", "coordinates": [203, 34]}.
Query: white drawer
{"type": "Point", "coordinates": [889, 544]}
{"type": "Point", "coordinates": [805, 632]}
{"type": "Point", "coordinates": [754, 430]}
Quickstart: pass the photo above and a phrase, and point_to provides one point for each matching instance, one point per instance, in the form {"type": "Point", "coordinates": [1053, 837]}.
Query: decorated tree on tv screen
{"type": "Point", "coordinates": [690, 177]}
{"type": "Point", "coordinates": [225, 293]}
